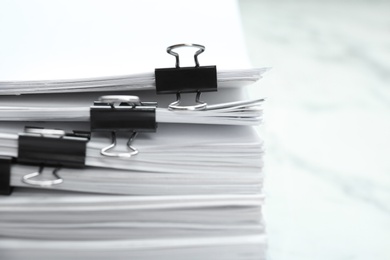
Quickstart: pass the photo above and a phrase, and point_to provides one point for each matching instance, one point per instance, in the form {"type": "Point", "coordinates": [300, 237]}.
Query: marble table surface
{"type": "Point", "coordinates": [327, 125]}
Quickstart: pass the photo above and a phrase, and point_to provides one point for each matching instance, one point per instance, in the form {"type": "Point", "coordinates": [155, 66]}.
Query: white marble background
{"type": "Point", "coordinates": [327, 125]}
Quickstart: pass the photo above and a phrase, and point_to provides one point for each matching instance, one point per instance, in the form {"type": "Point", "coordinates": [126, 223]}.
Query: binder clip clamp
{"type": "Point", "coordinates": [122, 113]}
{"type": "Point", "coordinates": [5, 175]}
{"type": "Point", "coordinates": [51, 147]}
{"type": "Point", "coordinates": [179, 80]}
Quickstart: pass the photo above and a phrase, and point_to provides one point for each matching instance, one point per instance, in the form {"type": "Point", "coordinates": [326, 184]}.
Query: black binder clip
{"type": "Point", "coordinates": [130, 115]}
{"type": "Point", "coordinates": [179, 80]}
{"type": "Point", "coordinates": [51, 147]}
{"type": "Point", "coordinates": [5, 175]}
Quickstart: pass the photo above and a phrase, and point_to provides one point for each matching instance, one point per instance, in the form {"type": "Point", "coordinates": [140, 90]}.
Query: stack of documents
{"type": "Point", "coordinates": [107, 167]}
{"type": "Point", "coordinates": [193, 191]}
{"type": "Point", "coordinates": [145, 81]}
{"type": "Point", "coordinates": [193, 160]}
{"type": "Point", "coordinates": [58, 225]}
{"type": "Point", "coordinates": [221, 108]}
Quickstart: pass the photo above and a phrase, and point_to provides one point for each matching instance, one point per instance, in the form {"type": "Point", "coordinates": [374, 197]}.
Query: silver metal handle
{"type": "Point", "coordinates": [201, 49]}
{"type": "Point", "coordinates": [42, 183]}
{"type": "Point", "coordinates": [134, 151]}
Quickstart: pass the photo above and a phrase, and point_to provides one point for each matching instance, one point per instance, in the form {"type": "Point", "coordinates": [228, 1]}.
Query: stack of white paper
{"type": "Point", "coordinates": [145, 81]}
{"type": "Point", "coordinates": [222, 106]}
{"type": "Point", "coordinates": [193, 191]}
{"type": "Point", "coordinates": [195, 160]}
{"type": "Point", "coordinates": [62, 225]}
{"type": "Point", "coordinates": [248, 112]}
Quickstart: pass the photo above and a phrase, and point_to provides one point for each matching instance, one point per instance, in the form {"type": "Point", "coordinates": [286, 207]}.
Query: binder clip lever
{"type": "Point", "coordinates": [180, 80]}
{"type": "Point", "coordinates": [176, 104]}
{"type": "Point", "coordinates": [201, 49]}
{"type": "Point", "coordinates": [134, 151]}
{"type": "Point", "coordinates": [42, 183]}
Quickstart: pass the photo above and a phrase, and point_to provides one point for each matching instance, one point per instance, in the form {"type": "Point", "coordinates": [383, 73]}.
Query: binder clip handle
{"type": "Point", "coordinates": [201, 49]}
{"type": "Point", "coordinates": [134, 151]}
{"type": "Point", "coordinates": [112, 99]}
{"type": "Point", "coordinates": [28, 178]}
{"type": "Point", "coordinates": [44, 132]}
{"type": "Point", "coordinates": [200, 105]}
